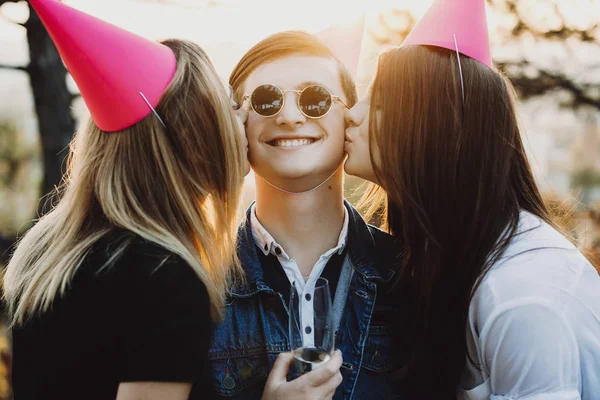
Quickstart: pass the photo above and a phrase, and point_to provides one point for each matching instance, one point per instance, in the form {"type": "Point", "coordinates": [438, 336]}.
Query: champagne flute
{"type": "Point", "coordinates": [311, 324]}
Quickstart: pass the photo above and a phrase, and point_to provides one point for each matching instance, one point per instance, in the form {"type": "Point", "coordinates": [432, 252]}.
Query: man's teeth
{"type": "Point", "coordinates": [292, 143]}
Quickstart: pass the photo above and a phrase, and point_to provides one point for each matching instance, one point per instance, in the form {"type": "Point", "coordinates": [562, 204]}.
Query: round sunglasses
{"type": "Point", "coordinates": [314, 101]}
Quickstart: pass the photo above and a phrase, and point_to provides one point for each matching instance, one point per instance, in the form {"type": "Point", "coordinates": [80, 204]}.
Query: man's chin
{"type": "Point", "coordinates": [295, 179]}
{"type": "Point", "coordinates": [284, 177]}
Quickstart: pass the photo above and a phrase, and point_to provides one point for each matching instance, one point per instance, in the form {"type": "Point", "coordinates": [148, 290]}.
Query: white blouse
{"type": "Point", "coordinates": [534, 323]}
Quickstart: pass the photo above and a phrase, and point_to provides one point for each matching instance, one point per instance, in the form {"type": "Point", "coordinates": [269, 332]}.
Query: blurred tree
{"type": "Point", "coordinates": [547, 23]}
{"type": "Point", "coordinates": [532, 24]}
{"type": "Point", "coordinates": [15, 152]}
{"type": "Point", "coordinates": [52, 99]}
{"type": "Point", "coordinates": [20, 170]}
{"type": "Point", "coordinates": [585, 180]}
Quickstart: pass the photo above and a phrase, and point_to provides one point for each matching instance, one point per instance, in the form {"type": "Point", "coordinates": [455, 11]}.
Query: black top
{"type": "Point", "coordinates": [145, 318]}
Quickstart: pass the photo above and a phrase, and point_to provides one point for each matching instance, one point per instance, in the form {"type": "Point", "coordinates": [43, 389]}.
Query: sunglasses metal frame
{"type": "Point", "coordinates": [334, 98]}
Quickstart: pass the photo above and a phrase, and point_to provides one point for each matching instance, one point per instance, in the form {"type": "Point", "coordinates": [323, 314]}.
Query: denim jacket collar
{"type": "Point", "coordinates": [364, 255]}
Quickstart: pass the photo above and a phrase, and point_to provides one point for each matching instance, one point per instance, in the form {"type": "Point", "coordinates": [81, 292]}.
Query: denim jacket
{"type": "Point", "coordinates": [255, 328]}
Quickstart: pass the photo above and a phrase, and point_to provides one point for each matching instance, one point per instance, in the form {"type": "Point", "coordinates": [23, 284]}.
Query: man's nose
{"type": "Point", "coordinates": [290, 114]}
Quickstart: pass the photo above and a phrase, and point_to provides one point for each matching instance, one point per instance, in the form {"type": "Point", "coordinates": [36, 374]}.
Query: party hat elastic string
{"type": "Point", "coordinates": [462, 83]}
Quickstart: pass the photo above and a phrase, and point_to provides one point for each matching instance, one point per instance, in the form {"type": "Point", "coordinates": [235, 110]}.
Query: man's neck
{"type": "Point", "coordinates": [306, 225]}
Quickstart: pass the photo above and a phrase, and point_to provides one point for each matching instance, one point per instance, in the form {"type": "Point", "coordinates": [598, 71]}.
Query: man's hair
{"type": "Point", "coordinates": [285, 44]}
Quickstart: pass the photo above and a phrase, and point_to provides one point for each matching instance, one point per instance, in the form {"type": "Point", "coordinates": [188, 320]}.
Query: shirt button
{"type": "Point", "coordinates": [228, 382]}
{"type": "Point", "coordinates": [308, 330]}
{"type": "Point", "coordinates": [277, 251]}
{"type": "Point", "coordinates": [308, 297]}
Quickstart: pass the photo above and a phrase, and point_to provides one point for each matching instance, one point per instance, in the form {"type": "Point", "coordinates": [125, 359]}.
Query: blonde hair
{"type": "Point", "coordinates": [177, 187]}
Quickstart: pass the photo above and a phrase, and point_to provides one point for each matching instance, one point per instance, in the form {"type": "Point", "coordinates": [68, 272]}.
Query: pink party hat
{"type": "Point", "coordinates": [110, 65]}
{"type": "Point", "coordinates": [345, 41]}
{"type": "Point", "coordinates": [464, 19]}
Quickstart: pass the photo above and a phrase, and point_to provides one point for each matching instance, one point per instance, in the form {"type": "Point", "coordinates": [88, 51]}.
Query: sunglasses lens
{"type": "Point", "coordinates": [267, 100]}
{"type": "Point", "coordinates": [315, 101]}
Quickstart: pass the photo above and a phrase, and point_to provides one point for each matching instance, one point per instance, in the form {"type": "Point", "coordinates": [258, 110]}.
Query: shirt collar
{"type": "Point", "coordinates": [267, 244]}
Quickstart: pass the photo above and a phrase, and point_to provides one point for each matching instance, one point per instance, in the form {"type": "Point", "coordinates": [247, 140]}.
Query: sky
{"type": "Point", "coordinates": [241, 23]}
{"type": "Point", "coordinates": [230, 19]}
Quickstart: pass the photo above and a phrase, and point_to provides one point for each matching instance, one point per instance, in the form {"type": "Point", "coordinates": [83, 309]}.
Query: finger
{"type": "Point", "coordinates": [327, 390]}
{"type": "Point", "coordinates": [241, 126]}
{"type": "Point", "coordinates": [326, 371]}
{"type": "Point", "coordinates": [278, 373]}
{"type": "Point", "coordinates": [244, 109]}
{"type": "Point", "coordinates": [242, 114]}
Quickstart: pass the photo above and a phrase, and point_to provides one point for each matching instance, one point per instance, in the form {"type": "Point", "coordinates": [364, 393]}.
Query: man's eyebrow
{"type": "Point", "coordinates": [305, 84]}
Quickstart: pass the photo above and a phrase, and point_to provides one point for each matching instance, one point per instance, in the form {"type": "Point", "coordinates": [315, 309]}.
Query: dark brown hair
{"type": "Point", "coordinates": [456, 177]}
{"type": "Point", "coordinates": [285, 44]}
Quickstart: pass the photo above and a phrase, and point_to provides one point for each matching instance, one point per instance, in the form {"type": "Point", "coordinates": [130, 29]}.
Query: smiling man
{"type": "Point", "coordinates": [300, 228]}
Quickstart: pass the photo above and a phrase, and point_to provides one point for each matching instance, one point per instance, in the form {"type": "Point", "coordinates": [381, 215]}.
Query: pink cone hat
{"type": "Point", "coordinates": [345, 42]}
{"type": "Point", "coordinates": [464, 18]}
{"type": "Point", "coordinates": [110, 65]}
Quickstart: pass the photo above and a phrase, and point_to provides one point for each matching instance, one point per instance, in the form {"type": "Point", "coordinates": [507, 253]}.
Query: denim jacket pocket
{"type": "Point", "coordinates": [242, 375]}
{"type": "Point", "coordinates": [377, 354]}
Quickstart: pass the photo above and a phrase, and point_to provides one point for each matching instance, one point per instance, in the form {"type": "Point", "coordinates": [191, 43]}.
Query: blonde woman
{"type": "Point", "coordinates": [114, 291]}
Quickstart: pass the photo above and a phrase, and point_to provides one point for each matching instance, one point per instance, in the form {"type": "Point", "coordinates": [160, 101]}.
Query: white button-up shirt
{"type": "Point", "coordinates": [304, 285]}
{"type": "Point", "coordinates": [534, 323]}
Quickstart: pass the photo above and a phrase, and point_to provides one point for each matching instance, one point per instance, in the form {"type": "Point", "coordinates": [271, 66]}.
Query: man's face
{"type": "Point", "coordinates": [289, 149]}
